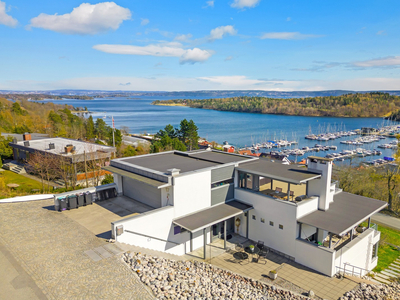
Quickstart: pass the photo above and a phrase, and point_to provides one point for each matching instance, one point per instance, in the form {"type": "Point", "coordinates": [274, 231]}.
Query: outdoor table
{"type": "Point", "coordinates": [274, 193]}
{"type": "Point", "coordinates": [254, 252]}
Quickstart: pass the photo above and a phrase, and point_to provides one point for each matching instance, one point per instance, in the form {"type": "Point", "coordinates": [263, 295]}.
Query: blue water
{"type": "Point", "coordinates": [239, 129]}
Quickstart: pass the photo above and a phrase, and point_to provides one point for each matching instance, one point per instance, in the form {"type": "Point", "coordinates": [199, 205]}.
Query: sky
{"type": "Point", "coordinates": [159, 45]}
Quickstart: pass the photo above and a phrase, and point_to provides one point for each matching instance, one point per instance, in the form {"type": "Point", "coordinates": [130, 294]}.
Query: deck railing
{"type": "Point", "coordinates": [351, 270]}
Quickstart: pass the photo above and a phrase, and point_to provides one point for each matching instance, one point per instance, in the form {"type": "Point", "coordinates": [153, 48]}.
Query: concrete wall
{"type": "Point", "coordinates": [321, 187]}
{"type": "Point", "coordinates": [315, 257]}
{"type": "Point", "coordinates": [358, 252]}
{"type": "Point", "coordinates": [221, 194]}
{"type": "Point", "coordinates": [142, 192]}
{"type": "Point", "coordinates": [269, 209]}
{"type": "Point", "coordinates": [307, 206]}
{"type": "Point", "coordinates": [192, 192]}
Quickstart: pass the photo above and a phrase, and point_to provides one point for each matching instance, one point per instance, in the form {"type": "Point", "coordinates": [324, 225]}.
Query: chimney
{"type": "Point", "coordinates": [52, 146]}
{"type": "Point", "coordinates": [68, 149]}
{"type": "Point", "coordinates": [27, 136]}
{"type": "Point", "coordinates": [173, 172]}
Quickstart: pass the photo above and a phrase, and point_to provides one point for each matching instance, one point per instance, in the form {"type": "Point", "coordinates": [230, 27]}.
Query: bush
{"type": "Point", "coordinates": [107, 179]}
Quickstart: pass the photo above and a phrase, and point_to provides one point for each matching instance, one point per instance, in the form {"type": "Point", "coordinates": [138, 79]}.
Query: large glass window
{"type": "Point", "coordinates": [245, 180]}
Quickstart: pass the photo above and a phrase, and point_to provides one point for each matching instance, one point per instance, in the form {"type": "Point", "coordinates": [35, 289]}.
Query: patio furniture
{"type": "Point", "coordinates": [260, 244]}
{"type": "Point", "coordinates": [278, 189]}
{"type": "Point", "coordinates": [263, 256]}
{"type": "Point", "coordinates": [240, 257]}
{"type": "Point", "coordinates": [291, 194]}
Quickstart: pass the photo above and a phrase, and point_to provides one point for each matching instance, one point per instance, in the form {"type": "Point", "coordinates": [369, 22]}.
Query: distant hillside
{"type": "Point", "coordinates": [372, 104]}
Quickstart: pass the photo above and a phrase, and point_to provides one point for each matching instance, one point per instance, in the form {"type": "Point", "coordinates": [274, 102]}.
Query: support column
{"type": "Point", "coordinates": [369, 222]}
{"type": "Point", "coordinates": [330, 240]}
{"type": "Point", "coordinates": [288, 191]}
{"type": "Point", "coordinates": [205, 242]}
{"type": "Point", "coordinates": [351, 234]}
{"type": "Point", "coordinates": [225, 234]}
{"type": "Point", "coordinates": [191, 241]}
{"type": "Point", "coordinates": [247, 225]}
{"type": "Point", "coordinates": [271, 183]}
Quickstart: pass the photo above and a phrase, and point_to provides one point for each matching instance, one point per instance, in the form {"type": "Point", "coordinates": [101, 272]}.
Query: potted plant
{"type": "Point", "coordinates": [251, 247]}
{"type": "Point", "coordinates": [273, 274]}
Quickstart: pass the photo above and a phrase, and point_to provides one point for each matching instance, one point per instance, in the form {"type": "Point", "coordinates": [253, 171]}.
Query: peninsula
{"type": "Point", "coordinates": [371, 104]}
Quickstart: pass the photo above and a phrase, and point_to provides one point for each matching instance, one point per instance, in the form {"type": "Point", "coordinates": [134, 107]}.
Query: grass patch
{"type": "Point", "coordinates": [387, 253]}
{"type": "Point", "coordinates": [26, 185]}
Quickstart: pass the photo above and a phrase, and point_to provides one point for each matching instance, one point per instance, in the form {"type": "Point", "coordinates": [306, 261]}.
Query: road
{"type": "Point", "coordinates": [386, 220]}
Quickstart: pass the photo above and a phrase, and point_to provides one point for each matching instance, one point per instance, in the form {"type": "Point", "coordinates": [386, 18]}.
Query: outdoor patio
{"type": "Point", "coordinates": [291, 275]}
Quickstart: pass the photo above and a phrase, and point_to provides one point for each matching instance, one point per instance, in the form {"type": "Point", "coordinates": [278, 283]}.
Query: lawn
{"type": "Point", "coordinates": [26, 185]}
{"type": "Point", "coordinates": [386, 252]}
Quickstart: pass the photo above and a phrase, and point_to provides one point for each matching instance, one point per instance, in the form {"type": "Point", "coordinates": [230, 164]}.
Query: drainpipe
{"type": "Point", "coordinates": [225, 234]}
{"type": "Point", "coordinates": [205, 242]}
{"type": "Point", "coordinates": [247, 225]}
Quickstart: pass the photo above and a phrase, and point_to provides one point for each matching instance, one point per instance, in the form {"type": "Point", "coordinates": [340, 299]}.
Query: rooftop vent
{"type": "Point", "coordinates": [68, 148]}
{"type": "Point", "coordinates": [27, 136]}
{"type": "Point", "coordinates": [26, 144]}
{"type": "Point", "coordinates": [52, 146]}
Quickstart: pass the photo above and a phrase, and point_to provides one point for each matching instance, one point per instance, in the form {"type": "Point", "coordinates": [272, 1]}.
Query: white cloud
{"type": "Point", "coordinates": [288, 36]}
{"type": "Point", "coordinates": [209, 4]}
{"type": "Point", "coordinates": [381, 32]}
{"type": "Point", "coordinates": [172, 49]}
{"type": "Point", "coordinates": [84, 19]}
{"type": "Point", "coordinates": [219, 32]}
{"type": "Point", "coordinates": [244, 3]}
{"type": "Point", "coordinates": [390, 61]}
{"type": "Point", "coordinates": [202, 83]}
{"type": "Point", "coordinates": [144, 22]}
{"type": "Point", "coordinates": [6, 19]}
{"type": "Point", "coordinates": [183, 37]}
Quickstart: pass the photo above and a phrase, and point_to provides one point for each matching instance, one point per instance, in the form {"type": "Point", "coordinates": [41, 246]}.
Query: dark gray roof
{"type": "Point", "coordinates": [345, 212]}
{"type": "Point", "coordinates": [218, 157]}
{"type": "Point", "coordinates": [20, 137]}
{"type": "Point", "coordinates": [212, 215]}
{"type": "Point", "coordinates": [287, 173]}
{"type": "Point", "coordinates": [134, 176]}
{"type": "Point", "coordinates": [164, 161]}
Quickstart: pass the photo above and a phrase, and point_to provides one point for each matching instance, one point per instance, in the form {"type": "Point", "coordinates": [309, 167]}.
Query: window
{"type": "Point", "coordinates": [245, 180]}
{"type": "Point", "coordinates": [262, 220]}
{"type": "Point", "coordinates": [254, 217]}
{"type": "Point", "coordinates": [375, 251]}
{"type": "Point", "coordinates": [271, 223]}
{"type": "Point", "coordinates": [280, 226]}
{"type": "Point", "coordinates": [220, 183]}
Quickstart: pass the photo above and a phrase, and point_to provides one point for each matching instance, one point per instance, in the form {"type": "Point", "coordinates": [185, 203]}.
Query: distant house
{"type": "Point", "coordinates": [229, 149]}
{"type": "Point", "coordinates": [74, 152]}
{"type": "Point", "coordinates": [203, 195]}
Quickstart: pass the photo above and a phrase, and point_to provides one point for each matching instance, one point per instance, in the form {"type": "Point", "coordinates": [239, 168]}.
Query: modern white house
{"type": "Point", "coordinates": [200, 196]}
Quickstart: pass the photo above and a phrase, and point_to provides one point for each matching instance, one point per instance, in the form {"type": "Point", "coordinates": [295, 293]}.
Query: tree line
{"type": "Point", "coordinates": [373, 104]}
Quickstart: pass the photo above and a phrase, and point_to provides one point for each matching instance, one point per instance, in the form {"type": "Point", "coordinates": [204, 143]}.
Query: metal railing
{"type": "Point", "coordinates": [351, 270]}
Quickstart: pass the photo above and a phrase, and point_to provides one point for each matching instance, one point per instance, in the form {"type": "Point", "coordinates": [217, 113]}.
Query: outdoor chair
{"type": "Point", "coordinates": [260, 245]}
{"type": "Point", "coordinates": [291, 194]}
{"type": "Point", "coordinates": [263, 256]}
{"type": "Point", "coordinates": [278, 189]}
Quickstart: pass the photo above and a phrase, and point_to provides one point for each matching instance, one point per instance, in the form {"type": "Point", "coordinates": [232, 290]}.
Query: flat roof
{"type": "Point", "coordinates": [168, 160]}
{"type": "Point", "coordinates": [218, 157]}
{"type": "Point", "coordinates": [134, 176]}
{"type": "Point", "coordinates": [345, 212]}
{"type": "Point", "coordinates": [212, 215]}
{"type": "Point", "coordinates": [277, 170]}
{"type": "Point", "coordinates": [20, 137]}
{"type": "Point", "coordinates": [59, 145]}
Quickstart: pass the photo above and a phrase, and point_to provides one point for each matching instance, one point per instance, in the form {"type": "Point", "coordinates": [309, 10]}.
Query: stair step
{"type": "Point", "coordinates": [383, 276]}
{"type": "Point", "coordinates": [388, 273]}
{"type": "Point", "coordinates": [374, 281]}
{"type": "Point", "coordinates": [395, 272]}
{"type": "Point", "coordinates": [382, 280]}
{"type": "Point", "coordinates": [394, 268]}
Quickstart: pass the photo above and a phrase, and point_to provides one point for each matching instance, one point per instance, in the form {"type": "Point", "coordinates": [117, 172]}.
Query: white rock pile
{"type": "Point", "coordinates": [377, 292]}
{"type": "Point", "coordinates": [169, 279]}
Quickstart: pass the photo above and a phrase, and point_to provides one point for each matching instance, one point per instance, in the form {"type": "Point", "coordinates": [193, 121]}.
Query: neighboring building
{"type": "Point", "coordinates": [203, 195]}
{"type": "Point", "coordinates": [74, 152]}
{"type": "Point", "coordinates": [25, 136]}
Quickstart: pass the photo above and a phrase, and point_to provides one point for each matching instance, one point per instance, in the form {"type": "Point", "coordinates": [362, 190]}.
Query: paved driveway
{"type": "Point", "coordinates": [50, 255]}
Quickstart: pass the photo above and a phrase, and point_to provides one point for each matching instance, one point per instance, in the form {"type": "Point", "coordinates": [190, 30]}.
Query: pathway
{"type": "Point", "coordinates": [47, 253]}
{"type": "Point", "coordinates": [386, 220]}
{"type": "Point", "coordinates": [393, 271]}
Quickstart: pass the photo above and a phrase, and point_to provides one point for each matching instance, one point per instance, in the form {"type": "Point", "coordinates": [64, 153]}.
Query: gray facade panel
{"type": "Point", "coordinates": [222, 194]}
{"type": "Point", "coordinates": [142, 192]}
{"type": "Point", "coordinates": [222, 173]}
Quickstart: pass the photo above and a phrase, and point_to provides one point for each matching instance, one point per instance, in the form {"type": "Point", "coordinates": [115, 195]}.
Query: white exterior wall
{"type": "Point", "coordinates": [358, 252]}
{"type": "Point", "coordinates": [191, 192]}
{"type": "Point", "coordinates": [307, 206]}
{"type": "Point", "coordinates": [156, 223]}
{"type": "Point", "coordinates": [315, 257]}
{"type": "Point", "coordinates": [277, 211]}
{"type": "Point", "coordinates": [118, 182]}
{"type": "Point", "coordinates": [307, 230]}
{"type": "Point", "coordinates": [321, 187]}
{"type": "Point", "coordinates": [167, 196]}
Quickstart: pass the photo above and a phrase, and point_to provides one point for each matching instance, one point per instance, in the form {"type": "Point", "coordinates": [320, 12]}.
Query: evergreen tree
{"type": "Point", "coordinates": [188, 134]}
{"type": "Point", "coordinates": [90, 132]}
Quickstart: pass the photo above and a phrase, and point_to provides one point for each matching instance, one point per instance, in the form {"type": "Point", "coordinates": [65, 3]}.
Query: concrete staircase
{"type": "Point", "coordinates": [14, 167]}
{"type": "Point", "coordinates": [387, 275]}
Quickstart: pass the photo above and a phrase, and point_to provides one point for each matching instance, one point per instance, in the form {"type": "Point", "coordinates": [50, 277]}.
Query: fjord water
{"type": "Point", "coordinates": [239, 129]}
